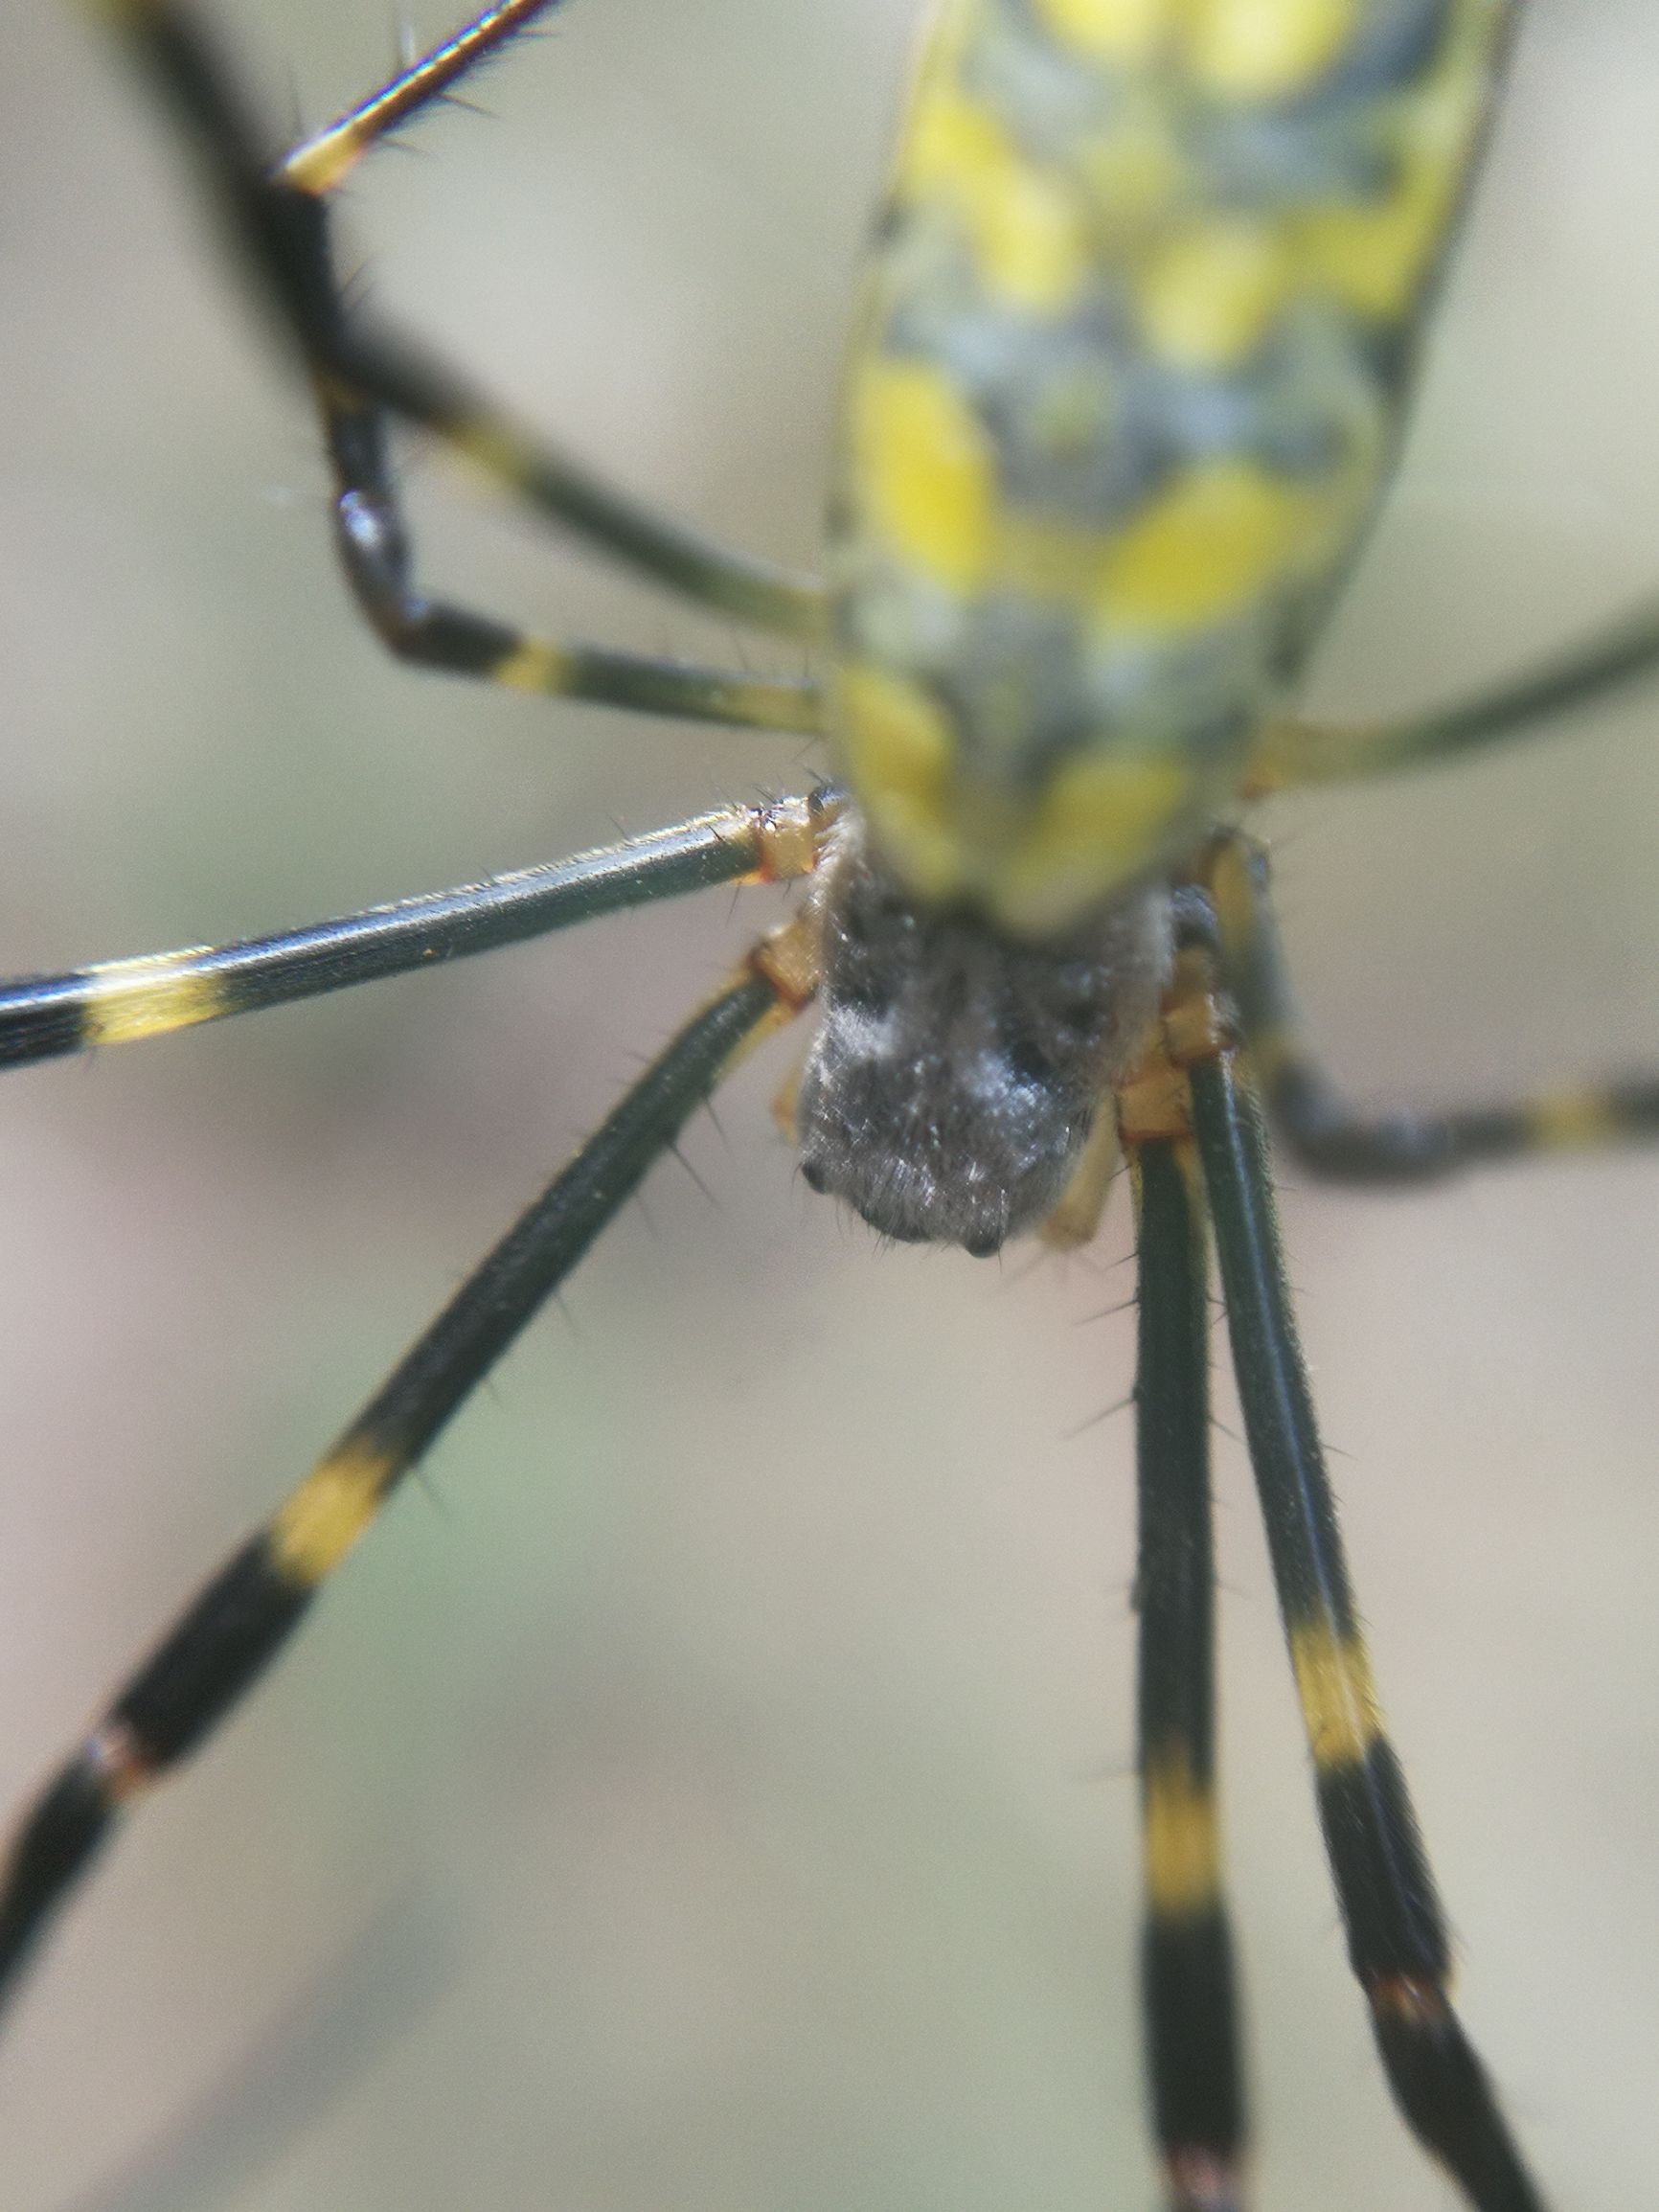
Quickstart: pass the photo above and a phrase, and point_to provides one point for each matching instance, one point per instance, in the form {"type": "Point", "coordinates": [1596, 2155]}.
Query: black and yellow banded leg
{"type": "Point", "coordinates": [120, 1001]}
{"type": "Point", "coordinates": [1292, 753]}
{"type": "Point", "coordinates": [1187, 1972]}
{"type": "Point", "coordinates": [278, 220]}
{"type": "Point", "coordinates": [244, 1616]}
{"type": "Point", "coordinates": [1396, 1934]}
{"type": "Point", "coordinates": [1318, 1126]}
{"type": "Point", "coordinates": [328, 157]}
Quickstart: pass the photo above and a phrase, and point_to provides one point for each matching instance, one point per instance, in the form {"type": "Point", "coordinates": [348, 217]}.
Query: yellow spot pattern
{"type": "Point", "coordinates": [1205, 547]}
{"type": "Point", "coordinates": [1098, 818]}
{"type": "Point", "coordinates": [898, 748]}
{"type": "Point", "coordinates": [1025, 214]}
{"type": "Point", "coordinates": [1339, 1708]}
{"type": "Point", "coordinates": [928, 470]}
{"type": "Point", "coordinates": [1122, 32]}
{"type": "Point", "coordinates": [1373, 254]}
{"type": "Point", "coordinates": [1024, 223]}
{"type": "Point", "coordinates": [129, 999]}
{"type": "Point", "coordinates": [1035, 862]}
{"type": "Point", "coordinates": [1242, 50]}
{"type": "Point", "coordinates": [315, 1528]}
{"type": "Point", "coordinates": [1135, 174]}
{"type": "Point", "coordinates": [1179, 1840]}
{"type": "Point", "coordinates": [1261, 50]}
{"type": "Point", "coordinates": [1208, 295]}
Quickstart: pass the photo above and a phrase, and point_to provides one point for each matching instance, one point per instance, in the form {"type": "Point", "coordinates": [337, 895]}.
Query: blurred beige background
{"type": "Point", "coordinates": [710, 1792]}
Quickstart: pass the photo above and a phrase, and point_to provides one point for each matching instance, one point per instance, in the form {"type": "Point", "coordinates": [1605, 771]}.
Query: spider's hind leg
{"type": "Point", "coordinates": [1331, 1138]}
{"type": "Point", "coordinates": [279, 221]}
{"type": "Point", "coordinates": [1292, 754]}
{"type": "Point", "coordinates": [1398, 1941]}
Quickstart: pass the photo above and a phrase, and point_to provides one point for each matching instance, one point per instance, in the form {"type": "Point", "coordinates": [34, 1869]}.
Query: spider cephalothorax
{"type": "Point", "coordinates": [957, 1072]}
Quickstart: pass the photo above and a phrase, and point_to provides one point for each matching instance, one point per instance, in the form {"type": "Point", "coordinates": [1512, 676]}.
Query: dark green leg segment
{"type": "Point", "coordinates": [120, 1001]}
{"type": "Point", "coordinates": [442, 1370]}
{"type": "Point", "coordinates": [242, 1619]}
{"type": "Point", "coordinates": [1396, 1937]}
{"type": "Point", "coordinates": [1318, 1126]}
{"type": "Point", "coordinates": [1187, 1970]}
{"type": "Point", "coordinates": [1625, 653]}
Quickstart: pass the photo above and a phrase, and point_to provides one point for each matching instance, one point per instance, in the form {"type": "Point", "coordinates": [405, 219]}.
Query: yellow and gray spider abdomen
{"type": "Point", "coordinates": [1132, 368]}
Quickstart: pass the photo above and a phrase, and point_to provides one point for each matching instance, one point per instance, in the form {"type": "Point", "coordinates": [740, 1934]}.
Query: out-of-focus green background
{"type": "Point", "coordinates": [710, 1790]}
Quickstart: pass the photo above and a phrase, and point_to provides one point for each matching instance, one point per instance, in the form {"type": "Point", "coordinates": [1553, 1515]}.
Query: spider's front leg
{"type": "Point", "coordinates": [246, 1612]}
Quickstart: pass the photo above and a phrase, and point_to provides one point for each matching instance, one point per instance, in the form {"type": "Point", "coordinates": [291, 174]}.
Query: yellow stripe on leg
{"type": "Point", "coordinates": [128, 999]}
{"type": "Point", "coordinates": [1179, 1840]}
{"type": "Point", "coordinates": [1570, 1119]}
{"type": "Point", "coordinates": [534, 665]}
{"type": "Point", "coordinates": [1339, 1707]}
{"type": "Point", "coordinates": [321, 163]}
{"type": "Point", "coordinates": [316, 1527]}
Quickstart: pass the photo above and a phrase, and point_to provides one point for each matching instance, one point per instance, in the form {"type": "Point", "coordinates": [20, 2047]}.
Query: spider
{"type": "Point", "coordinates": [934, 1290]}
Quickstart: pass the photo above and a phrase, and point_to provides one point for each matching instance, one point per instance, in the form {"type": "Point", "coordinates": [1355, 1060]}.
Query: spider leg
{"type": "Point", "coordinates": [1077, 1218]}
{"type": "Point", "coordinates": [325, 159]}
{"type": "Point", "coordinates": [1330, 1137]}
{"type": "Point", "coordinates": [119, 1001]}
{"type": "Point", "coordinates": [1292, 753]}
{"type": "Point", "coordinates": [1397, 1936]}
{"type": "Point", "coordinates": [279, 225]}
{"type": "Point", "coordinates": [1187, 1970]}
{"type": "Point", "coordinates": [245, 1614]}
